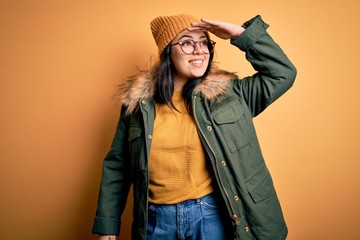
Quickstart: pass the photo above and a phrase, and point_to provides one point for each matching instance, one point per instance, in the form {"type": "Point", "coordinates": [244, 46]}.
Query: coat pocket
{"type": "Point", "coordinates": [134, 133]}
{"type": "Point", "coordinates": [135, 144]}
{"type": "Point", "coordinates": [260, 185]}
{"type": "Point", "coordinates": [232, 124]}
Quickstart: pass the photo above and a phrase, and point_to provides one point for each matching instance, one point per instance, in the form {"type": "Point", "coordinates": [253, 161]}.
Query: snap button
{"type": "Point", "coordinates": [223, 162]}
{"type": "Point", "coordinates": [247, 229]}
{"type": "Point", "coordinates": [143, 102]}
{"type": "Point", "coordinates": [236, 198]}
{"type": "Point", "coordinates": [236, 219]}
{"type": "Point", "coordinates": [150, 136]}
{"type": "Point", "coordinates": [209, 128]}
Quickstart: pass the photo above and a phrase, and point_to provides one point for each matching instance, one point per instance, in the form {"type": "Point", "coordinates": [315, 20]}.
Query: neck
{"type": "Point", "coordinates": [179, 83]}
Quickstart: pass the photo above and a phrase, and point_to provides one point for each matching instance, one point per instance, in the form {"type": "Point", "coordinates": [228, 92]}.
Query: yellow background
{"type": "Point", "coordinates": [60, 62]}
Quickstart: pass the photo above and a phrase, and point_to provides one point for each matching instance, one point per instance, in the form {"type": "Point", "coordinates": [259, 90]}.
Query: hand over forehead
{"type": "Point", "coordinates": [222, 30]}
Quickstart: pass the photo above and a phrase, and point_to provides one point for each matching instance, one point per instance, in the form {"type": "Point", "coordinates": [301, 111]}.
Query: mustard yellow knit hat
{"type": "Point", "coordinates": [165, 28]}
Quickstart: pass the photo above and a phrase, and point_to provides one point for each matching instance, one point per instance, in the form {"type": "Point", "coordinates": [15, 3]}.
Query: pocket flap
{"type": "Point", "coordinates": [260, 185]}
{"type": "Point", "coordinates": [228, 113]}
{"type": "Point", "coordinates": [134, 132]}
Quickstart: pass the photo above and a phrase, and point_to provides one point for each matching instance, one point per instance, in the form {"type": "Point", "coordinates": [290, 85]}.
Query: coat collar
{"type": "Point", "coordinates": [143, 86]}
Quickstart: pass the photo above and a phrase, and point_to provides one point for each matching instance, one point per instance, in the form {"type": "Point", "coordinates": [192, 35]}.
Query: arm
{"type": "Point", "coordinates": [275, 73]}
{"type": "Point", "coordinates": [115, 184]}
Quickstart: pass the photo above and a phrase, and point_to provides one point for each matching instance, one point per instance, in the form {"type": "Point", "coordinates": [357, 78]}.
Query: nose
{"type": "Point", "coordinates": [197, 48]}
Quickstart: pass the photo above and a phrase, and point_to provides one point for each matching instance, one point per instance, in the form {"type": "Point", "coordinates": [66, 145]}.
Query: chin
{"type": "Point", "coordinates": [198, 74]}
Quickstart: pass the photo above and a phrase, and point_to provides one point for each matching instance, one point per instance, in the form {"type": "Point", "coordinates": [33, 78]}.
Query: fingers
{"type": "Point", "coordinates": [204, 24]}
{"type": "Point", "coordinates": [210, 22]}
{"type": "Point", "coordinates": [222, 30]}
{"type": "Point", "coordinates": [201, 26]}
{"type": "Point", "coordinates": [197, 26]}
{"type": "Point", "coordinates": [192, 29]}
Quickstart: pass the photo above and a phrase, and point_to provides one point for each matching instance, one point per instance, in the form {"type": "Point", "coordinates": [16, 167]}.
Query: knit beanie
{"type": "Point", "coordinates": [165, 28]}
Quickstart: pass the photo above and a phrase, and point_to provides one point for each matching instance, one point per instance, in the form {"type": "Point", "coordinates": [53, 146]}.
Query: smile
{"type": "Point", "coordinates": [197, 61]}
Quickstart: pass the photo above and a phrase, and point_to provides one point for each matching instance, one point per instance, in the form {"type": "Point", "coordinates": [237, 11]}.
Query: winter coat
{"type": "Point", "coordinates": [224, 107]}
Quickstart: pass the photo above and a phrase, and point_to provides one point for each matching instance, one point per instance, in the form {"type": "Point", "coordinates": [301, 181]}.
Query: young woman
{"type": "Point", "coordinates": [186, 142]}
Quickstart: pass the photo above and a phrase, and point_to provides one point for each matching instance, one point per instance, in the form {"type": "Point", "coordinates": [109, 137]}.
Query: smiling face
{"type": "Point", "coordinates": [188, 65]}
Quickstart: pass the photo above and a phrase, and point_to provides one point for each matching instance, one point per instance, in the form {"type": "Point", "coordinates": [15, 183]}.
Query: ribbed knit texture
{"type": "Point", "coordinates": [165, 28]}
{"type": "Point", "coordinates": [177, 164]}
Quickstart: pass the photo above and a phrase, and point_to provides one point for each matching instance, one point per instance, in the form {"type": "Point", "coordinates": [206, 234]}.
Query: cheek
{"type": "Point", "coordinates": [207, 60]}
{"type": "Point", "coordinates": [177, 60]}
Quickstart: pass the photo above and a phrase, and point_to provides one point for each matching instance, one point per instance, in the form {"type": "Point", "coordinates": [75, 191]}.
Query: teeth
{"type": "Point", "coordinates": [197, 61]}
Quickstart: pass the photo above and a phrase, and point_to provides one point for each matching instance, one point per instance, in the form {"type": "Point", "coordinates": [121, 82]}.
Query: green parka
{"type": "Point", "coordinates": [224, 107]}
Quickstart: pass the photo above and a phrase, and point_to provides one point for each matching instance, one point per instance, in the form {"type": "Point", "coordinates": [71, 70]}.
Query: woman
{"type": "Point", "coordinates": [186, 141]}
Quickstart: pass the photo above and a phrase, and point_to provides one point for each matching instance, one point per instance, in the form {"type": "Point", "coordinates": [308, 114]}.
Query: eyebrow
{"type": "Point", "coordinates": [189, 36]}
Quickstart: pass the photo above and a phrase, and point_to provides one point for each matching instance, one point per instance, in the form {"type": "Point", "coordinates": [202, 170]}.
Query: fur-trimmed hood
{"type": "Point", "coordinates": [143, 85]}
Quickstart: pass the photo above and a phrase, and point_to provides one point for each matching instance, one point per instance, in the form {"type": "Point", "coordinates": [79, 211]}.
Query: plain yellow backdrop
{"type": "Point", "coordinates": [60, 62]}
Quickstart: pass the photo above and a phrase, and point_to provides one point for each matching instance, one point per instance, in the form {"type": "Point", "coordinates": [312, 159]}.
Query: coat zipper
{"type": "Point", "coordinates": [234, 215]}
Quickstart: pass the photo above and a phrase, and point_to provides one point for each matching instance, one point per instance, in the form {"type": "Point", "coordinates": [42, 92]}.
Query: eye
{"type": "Point", "coordinates": [187, 43]}
{"type": "Point", "coordinates": [204, 42]}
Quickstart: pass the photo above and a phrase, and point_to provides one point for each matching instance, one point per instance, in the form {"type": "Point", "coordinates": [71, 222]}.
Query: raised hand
{"type": "Point", "coordinates": [222, 30]}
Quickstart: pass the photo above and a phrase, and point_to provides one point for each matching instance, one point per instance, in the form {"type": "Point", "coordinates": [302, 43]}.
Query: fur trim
{"type": "Point", "coordinates": [143, 85]}
{"type": "Point", "coordinates": [215, 83]}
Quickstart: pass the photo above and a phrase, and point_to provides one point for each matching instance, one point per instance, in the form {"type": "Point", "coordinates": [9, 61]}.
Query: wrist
{"type": "Point", "coordinates": [239, 32]}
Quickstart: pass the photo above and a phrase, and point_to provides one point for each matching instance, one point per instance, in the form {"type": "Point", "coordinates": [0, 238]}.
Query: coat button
{"type": "Point", "coordinates": [209, 128]}
{"type": "Point", "coordinates": [236, 198]}
{"type": "Point", "coordinates": [150, 136]}
{"type": "Point", "coordinates": [223, 162]}
{"type": "Point", "coordinates": [143, 102]}
{"type": "Point", "coordinates": [247, 229]}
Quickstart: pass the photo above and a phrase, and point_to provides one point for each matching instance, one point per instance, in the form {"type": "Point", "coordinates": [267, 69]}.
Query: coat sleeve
{"type": "Point", "coordinates": [115, 183]}
{"type": "Point", "coordinates": [275, 73]}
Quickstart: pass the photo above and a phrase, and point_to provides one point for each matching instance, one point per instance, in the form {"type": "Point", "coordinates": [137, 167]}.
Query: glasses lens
{"type": "Point", "coordinates": [207, 46]}
{"type": "Point", "coordinates": [189, 46]}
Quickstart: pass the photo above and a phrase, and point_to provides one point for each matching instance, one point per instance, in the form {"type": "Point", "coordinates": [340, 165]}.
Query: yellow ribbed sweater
{"type": "Point", "coordinates": [177, 164]}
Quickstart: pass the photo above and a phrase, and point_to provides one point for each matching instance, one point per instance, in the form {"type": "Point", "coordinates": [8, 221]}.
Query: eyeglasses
{"type": "Point", "coordinates": [189, 46]}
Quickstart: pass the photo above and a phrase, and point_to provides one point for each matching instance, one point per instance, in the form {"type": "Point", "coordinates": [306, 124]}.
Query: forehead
{"type": "Point", "coordinates": [192, 34]}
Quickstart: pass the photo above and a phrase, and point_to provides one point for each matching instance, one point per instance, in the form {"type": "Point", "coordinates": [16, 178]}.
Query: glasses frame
{"type": "Point", "coordinates": [210, 42]}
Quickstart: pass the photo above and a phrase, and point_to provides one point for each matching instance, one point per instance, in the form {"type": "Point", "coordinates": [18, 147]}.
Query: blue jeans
{"type": "Point", "coordinates": [198, 219]}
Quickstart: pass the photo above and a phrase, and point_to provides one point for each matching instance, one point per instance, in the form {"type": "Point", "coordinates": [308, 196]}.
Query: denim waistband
{"type": "Point", "coordinates": [207, 197]}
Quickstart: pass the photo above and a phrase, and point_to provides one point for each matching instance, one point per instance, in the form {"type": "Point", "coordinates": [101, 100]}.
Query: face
{"type": "Point", "coordinates": [192, 65]}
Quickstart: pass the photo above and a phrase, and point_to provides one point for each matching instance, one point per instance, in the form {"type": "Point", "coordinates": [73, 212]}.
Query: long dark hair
{"type": "Point", "coordinates": [165, 83]}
